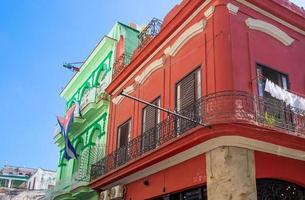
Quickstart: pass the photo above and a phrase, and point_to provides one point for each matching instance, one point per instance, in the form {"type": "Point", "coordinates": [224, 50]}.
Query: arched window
{"type": "Point", "coordinates": [271, 189]}
{"type": "Point", "coordinates": [78, 149]}
{"type": "Point", "coordinates": [96, 150]}
{"type": "Point", "coordinates": [95, 137]}
{"type": "Point", "coordinates": [101, 75]}
{"type": "Point", "coordinates": [85, 92]}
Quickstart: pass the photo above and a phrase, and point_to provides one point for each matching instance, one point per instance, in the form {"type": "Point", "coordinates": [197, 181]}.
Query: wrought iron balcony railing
{"type": "Point", "coordinates": [219, 108]}
{"type": "Point", "coordinates": [120, 64]}
{"type": "Point", "coordinates": [82, 176]}
{"type": "Point", "coordinates": [149, 32]}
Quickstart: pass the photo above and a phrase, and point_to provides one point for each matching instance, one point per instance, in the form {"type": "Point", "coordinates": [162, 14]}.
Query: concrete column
{"type": "Point", "coordinates": [231, 174]}
{"type": "Point", "coordinates": [9, 183]}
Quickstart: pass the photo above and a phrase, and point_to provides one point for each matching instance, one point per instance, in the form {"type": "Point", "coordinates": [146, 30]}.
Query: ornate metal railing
{"type": "Point", "coordinates": [219, 108]}
{"type": "Point", "coordinates": [150, 31]}
{"type": "Point", "coordinates": [61, 187]}
{"type": "Point", "coordinates": [269, 189]}
{"type": "Point", "coordinates": [120, 64]}
{"type": "Point", "coordinates": [89, 97]}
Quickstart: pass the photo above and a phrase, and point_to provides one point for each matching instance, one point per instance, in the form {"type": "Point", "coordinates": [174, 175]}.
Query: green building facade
{"type": "Point", "coordinates": [88, 132]}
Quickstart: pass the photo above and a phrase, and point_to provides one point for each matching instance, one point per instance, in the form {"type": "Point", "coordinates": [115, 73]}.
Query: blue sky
{"type": "Point", "coordinates": [36, 38]}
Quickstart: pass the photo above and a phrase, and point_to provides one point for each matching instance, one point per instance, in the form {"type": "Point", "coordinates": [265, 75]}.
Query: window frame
{"type": "Point", "coordinates": [198, 68]}
{"type": "Point", "coordinates": [261, 66]}
{"type": "Point", "coordinates": [198, 94]}
{"type": "Point", "coordinates": [159, 117]}
{"type": "Point", "coordinates": [119, 132]}
{"type": "Point", "coordinates": [158, 120]}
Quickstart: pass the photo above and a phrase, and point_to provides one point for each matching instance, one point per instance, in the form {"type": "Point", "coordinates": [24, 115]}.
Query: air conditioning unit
{"type": "Point", "coordinates": [105, 195]}
{"type": "Point", "coordinates": [116, 192]}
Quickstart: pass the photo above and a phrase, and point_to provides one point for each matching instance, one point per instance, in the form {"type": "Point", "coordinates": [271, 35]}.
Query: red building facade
{"type": "Point", "coordinates": [209, 62]}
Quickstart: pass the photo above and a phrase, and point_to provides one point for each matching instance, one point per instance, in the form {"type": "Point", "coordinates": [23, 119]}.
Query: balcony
{"type": "Point", "coordinates": [77, 185]}
{"type": "Point", "coordinates": [149, 32]}
{"type": "Point", "coordinates": [120, 64]}
{"type": "Point", "coordinates": [219, 108]}
{"type": "Point", "coordinates": [91, 102]}
{"type": "Point", "coordinates": [61, 188]}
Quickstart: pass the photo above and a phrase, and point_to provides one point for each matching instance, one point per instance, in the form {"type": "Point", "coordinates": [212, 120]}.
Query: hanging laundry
{"type": "Point", "coordinates": [295, 101]}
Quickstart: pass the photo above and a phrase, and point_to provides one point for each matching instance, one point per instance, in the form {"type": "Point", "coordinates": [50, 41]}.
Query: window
{"type": "Point", "coordinates": [76, 166]}
{"type": "Point", "coordinates": [34, 182]}
{"type": "Point", "coordinates": [277, 189]}
{"type": "Point", "coordinates": [276, 77]}
{"type": "Point", "coordinates": [191, 194]}
{"type": "Point", "coordinates": [188, 93]}
{"type": "Point", "coordinates": [97, 149]}
{"type": "Point", "coordinates": [273, 111]}
{"type": "Point", "coordinates": [150, 132]}
{"type": "Point", "coordinates": [122, 142]}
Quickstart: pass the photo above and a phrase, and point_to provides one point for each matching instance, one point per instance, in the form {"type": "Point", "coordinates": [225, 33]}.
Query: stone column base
{"type": "Point", "coordinates": [231, 174]}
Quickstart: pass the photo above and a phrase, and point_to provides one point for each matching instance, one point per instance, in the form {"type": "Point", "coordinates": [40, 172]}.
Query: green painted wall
{"type": "Point", "coordinates": [89, 135]}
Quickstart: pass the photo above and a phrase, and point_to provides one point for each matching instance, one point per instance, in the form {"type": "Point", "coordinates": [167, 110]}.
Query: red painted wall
{"type": "Point", "coordinates": [170, 180]}
{"type": "Point", "coordinates": [120, 47]}
{"type": "Point", "coordinates": [227, 51]}
{"type": "Point", "coordinates": [250, 47]}
{"type": "Point", "coordinates": [276, 167]}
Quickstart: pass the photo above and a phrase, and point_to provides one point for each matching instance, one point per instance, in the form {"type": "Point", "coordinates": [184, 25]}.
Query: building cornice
{"type": "Point", "coordinates": [101, 50]}
{"type": "Point", "coordinates": [117, 84]}
{"type": "Point", "coordinates": [134, 67]}
{"type": "Point", "coordinates": [201, 140]}
{"type": "Point", "coordinates": [270, 29]}
{"type": "Point", "coordinates": [272, 16]}
{"type": "Point", "coordinates": [201, 149]}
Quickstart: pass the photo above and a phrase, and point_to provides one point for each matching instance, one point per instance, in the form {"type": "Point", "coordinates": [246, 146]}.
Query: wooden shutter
{"type": "Point", "coordinates": [123, 134]}
{"type": "Point", "coordinates": [149, 126]}
{"type": "Point", "coordinates": [122, 147]}
{"type": "Point", "coordinates": [188, 92]}
{"type": "Point", "coordinates": [150, 116]}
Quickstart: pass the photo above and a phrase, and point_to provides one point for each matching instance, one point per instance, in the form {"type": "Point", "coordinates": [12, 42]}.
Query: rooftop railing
{"type": "Point", "coordinates": [120, 64]}
{"type": "Point", "coordinates": [149, 32]}
{"type": "Point", "coordinates": [219, 108]}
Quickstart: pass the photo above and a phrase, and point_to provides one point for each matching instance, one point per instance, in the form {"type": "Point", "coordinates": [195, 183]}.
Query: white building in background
{"type": "Point", "coordinates": [20, 183]}
{"type": "Point", "coordinates": [30, 195]}
{"type": "Point", "coordinates": [42, 180]}
{"type": "Point", "coordinates": [37, 185]}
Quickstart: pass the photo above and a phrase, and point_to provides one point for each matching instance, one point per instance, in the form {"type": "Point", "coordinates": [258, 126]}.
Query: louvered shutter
{"type": "Point", "coordinates": [124, 132]}
{"type": "Point", "coordinates": [122, 151]}
{"type": "Point", "coordinates": [188, 92]}
{"type": "Point", "coordinates": [149, 130]}
{"type": "Point", "coordinates": [150, 116]}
